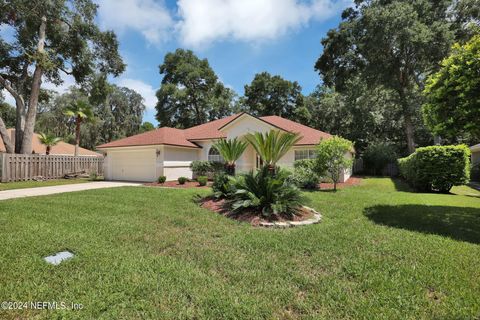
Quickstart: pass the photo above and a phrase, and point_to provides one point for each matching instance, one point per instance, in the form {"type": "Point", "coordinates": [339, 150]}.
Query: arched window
{"type": "Point", "coordinates": [214, 155]}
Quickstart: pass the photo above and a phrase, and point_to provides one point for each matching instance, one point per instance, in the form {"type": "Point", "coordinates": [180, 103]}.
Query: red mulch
{"type": "Point", "coordinates": [254, 218]}
{"type": "Point", "coordinates": [175, 184]}
{"type": "Point", "coordinates": [353, 181]}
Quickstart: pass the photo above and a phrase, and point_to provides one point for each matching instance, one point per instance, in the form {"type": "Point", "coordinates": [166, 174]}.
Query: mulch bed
{"type": "Point", "coordinates": [353, 181]}
{"type": "Point", "coordinates": [175, 184]}
{"type": "Point", "coordinates": [254, 218]}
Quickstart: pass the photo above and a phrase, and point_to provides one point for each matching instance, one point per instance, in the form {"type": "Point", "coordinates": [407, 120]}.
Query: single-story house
{"type": "Point", "coordinates": [60, 149]}
{"type": "Point", "coordinates": [169, 151]}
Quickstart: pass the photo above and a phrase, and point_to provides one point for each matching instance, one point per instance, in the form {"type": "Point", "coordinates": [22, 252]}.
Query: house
{"type": "Point", "coordinates": [169, 151]}
{"type": "Point", "coordinates": [475, 154]}
{"type": "Point", "coordinates": [61, 149]}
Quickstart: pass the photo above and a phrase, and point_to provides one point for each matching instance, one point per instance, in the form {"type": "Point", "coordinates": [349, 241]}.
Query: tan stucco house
{"type": "Point", "coordinates": [475, 154]}
{"type": "Point", "coordinates": [169, 151]}
{"type": "Point", "coordinates": [60, 149]}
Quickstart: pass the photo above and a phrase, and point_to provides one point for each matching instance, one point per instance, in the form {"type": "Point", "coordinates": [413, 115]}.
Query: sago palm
{"type": "Point", "coordinates": [48, 140]}
{"type": "Point", "coordinates": [272, 146]}
{"type": "Point", "coordinates": [79, 111]}
{"type": "Point", "coordinates": [231, 150]}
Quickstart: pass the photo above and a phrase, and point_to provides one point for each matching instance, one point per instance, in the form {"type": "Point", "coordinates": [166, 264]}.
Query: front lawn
{"type": "Point", "coordinates": [380, 252]}
{"type": "Point", "coordinates": [35, 184]}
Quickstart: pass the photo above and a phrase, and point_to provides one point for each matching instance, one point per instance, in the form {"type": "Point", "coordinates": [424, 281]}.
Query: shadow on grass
{"type": "Point", "coordinates": [458, 223]}
{"type": "Point", "coordinates": [402, 185]}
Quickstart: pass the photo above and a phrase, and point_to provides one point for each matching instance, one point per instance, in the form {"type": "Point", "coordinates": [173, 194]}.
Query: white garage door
{"type": "Point", "coordinates": [133, 165]}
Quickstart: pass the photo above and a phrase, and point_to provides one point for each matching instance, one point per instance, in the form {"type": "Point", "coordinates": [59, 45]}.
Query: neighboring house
{"type": "Point", "coordinates": [475, 154]}
{"type": "Point", "coordinates": [61, 149]}
{"type": "Point", "coordinates": [169, 151]}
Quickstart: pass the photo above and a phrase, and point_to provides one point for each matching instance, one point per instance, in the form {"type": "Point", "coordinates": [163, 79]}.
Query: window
{"type": "Point", "coordinates": [214, 155]}
{"type": "Point", "coordinates": [305, 154]}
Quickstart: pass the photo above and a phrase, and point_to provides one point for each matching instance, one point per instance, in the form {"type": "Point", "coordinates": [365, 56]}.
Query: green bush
{"type": "Point", "coordinates": [202, 180]}
{"type": "Point", "coordinates": [436, 168]}
{"type": "Point", "coordinates": [304, 175]}
{"type": "Point", "coordinates": [182, 180]}
{"type": "Point", "coordinates": [93, 176]}
{"type": "Point", "coordinates": [162, 179]}
{"type": "Point", "coordinates": [206, 168]}
{"type": "Point", "coordinates": [223, 185]}
{"type": "Point", "coordinates": [377, 156]}
{"type": "Point", "coordinates": [267, 193]}
{"type": "Point", "coordinates": [201, 168]}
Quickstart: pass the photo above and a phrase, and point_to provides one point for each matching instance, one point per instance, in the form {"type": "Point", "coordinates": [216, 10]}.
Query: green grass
{"type": "Point", "coordinates": [380, 252]}
{"type": "Point", "coordinates": [35, 184]}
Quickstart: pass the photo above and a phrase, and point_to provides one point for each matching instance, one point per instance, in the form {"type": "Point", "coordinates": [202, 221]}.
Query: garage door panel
{"type": "Point", "coordinates": [133, 165]}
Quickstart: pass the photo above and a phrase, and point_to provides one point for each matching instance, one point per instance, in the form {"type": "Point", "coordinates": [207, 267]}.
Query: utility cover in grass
{"type": "Point", "coordinates": [59, 257]}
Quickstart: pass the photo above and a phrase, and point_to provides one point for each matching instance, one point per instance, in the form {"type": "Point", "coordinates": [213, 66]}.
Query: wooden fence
{"type": "Point", "coordinates": [19, 167]}
{"type": "Point", "coordinates": [391, 169]}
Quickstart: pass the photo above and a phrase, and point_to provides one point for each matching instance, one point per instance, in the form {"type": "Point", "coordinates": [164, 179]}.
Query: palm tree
{"type": "Point", "coordinates": [230, 150]}
{"type": "Point", "coordinates": [79, 111]}
{"type": "Point", "coordinates": [48, 140]}
{"type": "Point", "coordinates": [272, 146]}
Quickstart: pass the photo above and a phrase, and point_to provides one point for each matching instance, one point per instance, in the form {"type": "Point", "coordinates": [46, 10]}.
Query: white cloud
{"type": "Point", "coordinates": [202, 22]}
{"type": "Point", "coordinates": [149, 17]}
{"type": "Point", "coordinates": [144, 89]}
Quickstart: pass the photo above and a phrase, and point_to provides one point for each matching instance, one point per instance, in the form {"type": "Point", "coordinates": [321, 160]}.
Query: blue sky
{"type": "Point", "coordinates": [238, 37]}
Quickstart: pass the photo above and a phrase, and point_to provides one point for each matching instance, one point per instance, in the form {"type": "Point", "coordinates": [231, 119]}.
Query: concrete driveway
{"type": "Point", "coordinates": [43, 191]}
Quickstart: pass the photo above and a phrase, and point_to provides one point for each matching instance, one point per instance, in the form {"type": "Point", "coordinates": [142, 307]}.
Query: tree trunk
{"type": "Point", "coordinates": [6, 138]}
{"type": "Point", "coordinates": [77, 134]}
{"type": "Point", "coordinates": [20, 114]}
{"type": "Point", "coordinates": [409, 133]}
{"type": "Point", "coordinates": [20, 124]}
{"type": "Point", "coordinates": [407, 116]}
{"type": "Point", "coordinates": [47, 151]}
{"type": "Point", "coordinates": [35, 91]}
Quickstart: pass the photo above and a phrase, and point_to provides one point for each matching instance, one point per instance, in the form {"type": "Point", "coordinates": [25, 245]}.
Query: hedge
{"type": "Point", "coordinates": [436, 168]}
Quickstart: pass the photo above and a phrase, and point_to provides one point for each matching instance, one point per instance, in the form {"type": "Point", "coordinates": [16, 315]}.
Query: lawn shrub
{"type": "Point", "coordinates": [93, 176]}
{"type": "Point", "coordinates": [304, 175]}
{"type": "Point", "coordinates": [436, 168]}
{"type": "Point", "coordinates": [201, 168]}
{"type": "Point", "coordinates": [223, 185]}
{"type": "Point", "coordinates": [162, 179]}
{"type": "Point", "coordinates": [202, 180]}
{"type": "Point", "coordinates": [182, 180]}
{"type": "Point", "coordinates": [267, 193]}
{"type": "Point", "coordinates": [206, 168]}
{"type": "Point", "coordinates": [377, 156]}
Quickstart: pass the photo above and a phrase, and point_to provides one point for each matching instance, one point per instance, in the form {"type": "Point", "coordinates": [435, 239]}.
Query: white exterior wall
{"type": "Point", "coordinates": [177, 160]}
{"type": "Point", "coordinates": [475, 157]}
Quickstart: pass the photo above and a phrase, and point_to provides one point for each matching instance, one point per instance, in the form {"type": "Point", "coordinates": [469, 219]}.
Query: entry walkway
{"type": "Point", "coordinates": [43, 191]}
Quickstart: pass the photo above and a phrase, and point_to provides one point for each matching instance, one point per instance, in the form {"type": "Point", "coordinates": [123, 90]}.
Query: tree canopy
{"type": "Point", "coordinates": [273, 95]}
{"type": "Point", "coordinates": [452, 109]}
{"type": "Point", "coordinates": [394, 44]}
{"type": "Point", "coordinates": [50, 38]}
{"type": "Point", "coordinates": [118, 113]}
{"type": "Point", "coordinates": [190, 93]}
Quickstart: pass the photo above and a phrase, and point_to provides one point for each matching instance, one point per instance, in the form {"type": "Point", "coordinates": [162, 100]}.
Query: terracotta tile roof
{"type": "Point", "coordinates": [165, 135]}
{"type": "Point", "coordinates": [211, 130]}
{"type": "Point", "coordinates": [309, 135]}
{"type": "Point", "coordinates": [62, 148]}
